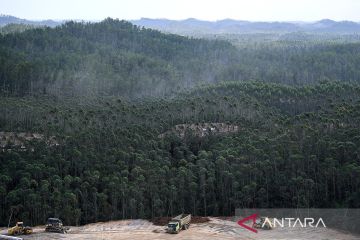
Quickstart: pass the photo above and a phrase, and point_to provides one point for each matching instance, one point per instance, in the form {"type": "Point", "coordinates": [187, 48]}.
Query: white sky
{"type": "Point", "coordinates": [254, 10]}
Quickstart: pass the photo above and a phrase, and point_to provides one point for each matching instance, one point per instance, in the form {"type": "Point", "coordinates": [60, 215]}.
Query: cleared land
{"type": "Point", "coordinates": [214, 229]}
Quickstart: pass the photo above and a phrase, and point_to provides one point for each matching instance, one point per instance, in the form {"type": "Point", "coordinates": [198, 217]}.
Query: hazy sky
{"type": "Point", "coordinates": [267, 10]}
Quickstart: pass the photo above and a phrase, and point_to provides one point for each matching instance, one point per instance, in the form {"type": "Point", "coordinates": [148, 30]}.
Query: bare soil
{"type": "Point", "coordinates": [215, 228]}
{"type": "Point", "coordinates": [162, 221]}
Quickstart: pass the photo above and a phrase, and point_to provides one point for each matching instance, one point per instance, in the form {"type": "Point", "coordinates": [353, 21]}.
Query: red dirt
{"type": "Point", "coordinates": [225, 218]}
{"type": "Point", "coordinates": [199, 219]}
{"type": "Point", "coordinates": [161, 221]}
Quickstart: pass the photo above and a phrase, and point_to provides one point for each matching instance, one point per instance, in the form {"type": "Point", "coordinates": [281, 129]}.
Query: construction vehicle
{"type": "Point", "coordinates": [261, 224]}
{"type": "Point", "coordinates": [55, 225]}
{"type": "Point", "coordinates": [20, 229]}
{"type": "Point", "coordinates": [178, 223]}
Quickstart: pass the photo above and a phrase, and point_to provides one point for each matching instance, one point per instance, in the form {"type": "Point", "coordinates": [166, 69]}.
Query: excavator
{"type": "Point", "coordinates": [261, 224]}
{"type": "Point", "coordinates": [19, 229]}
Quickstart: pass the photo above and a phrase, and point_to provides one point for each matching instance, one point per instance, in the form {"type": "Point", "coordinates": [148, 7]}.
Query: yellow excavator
{"type": "Point", "coordinates": [19, 229]}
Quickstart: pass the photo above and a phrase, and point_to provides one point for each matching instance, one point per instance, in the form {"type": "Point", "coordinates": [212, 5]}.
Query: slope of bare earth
{"type": "Point", "coordinates": [201, 129]}
{"type": "Point", "coordinates": [214, 229]}
{"type": "Point", "coordinates": [19, 139]}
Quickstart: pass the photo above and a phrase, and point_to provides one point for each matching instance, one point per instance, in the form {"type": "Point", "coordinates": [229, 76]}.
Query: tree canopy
{"type": "Point", "coordinates": [296, 147]}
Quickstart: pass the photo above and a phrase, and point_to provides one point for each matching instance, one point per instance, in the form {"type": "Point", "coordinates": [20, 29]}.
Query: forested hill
{"type": "Point", "coordinates": [100, 159]}
{"type": "Point", "coordinates": [116, 58]}
{"type": "Point", "coordinates": [111, 57]}
{"type": "Point", "coordinates": [278, 128]}
{"type": "Point", "coordinates": [8, 19]}
{"type": "Point", "coordinates": [197, 27]}
{"type": "Point", "coordinates": [194, 26]}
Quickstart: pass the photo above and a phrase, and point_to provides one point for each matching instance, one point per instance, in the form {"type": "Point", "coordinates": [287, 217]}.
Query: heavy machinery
{"type": "Point", "coordinates": [261, 224]}
{"type": "Point", "coordinates": [19, 229]}
{"type": "Point", "coordinates": [55, 225]}
{"type": "Point", "coordinates": [178, 223]}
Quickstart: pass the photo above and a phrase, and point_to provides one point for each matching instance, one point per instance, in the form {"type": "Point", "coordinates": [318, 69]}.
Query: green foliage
{"type": "Point", "coordinates": [15, 28]}
{"type": "Point", "coordinates": [107, 92]}
{"type": "Point", "coordinates": [114, 57]}
{"type": "Point", "coordinates": [297, 147]}
{"type": "Point", "coordinates": [111, 57]}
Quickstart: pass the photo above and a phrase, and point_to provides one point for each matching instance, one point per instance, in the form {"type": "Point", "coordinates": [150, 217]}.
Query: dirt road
{"type": "Point", "coordinates": [215, 229]}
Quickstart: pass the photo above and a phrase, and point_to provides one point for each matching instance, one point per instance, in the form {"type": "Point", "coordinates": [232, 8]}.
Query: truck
{"type": "Point", "coordinates": [178, 223]}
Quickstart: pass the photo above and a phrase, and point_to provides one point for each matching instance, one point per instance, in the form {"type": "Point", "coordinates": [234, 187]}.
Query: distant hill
{"type": "Point", "coordinates": [111, 57]}
{"type": "Point", "coordinates": [6, 19]}
{"type": "Point", "coordinates": [191, 26]}
{"type": "Point", "coordinates": [118, 58]}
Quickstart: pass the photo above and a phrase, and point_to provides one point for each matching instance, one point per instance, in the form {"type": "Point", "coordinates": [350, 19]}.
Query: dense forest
{"type": "Point", "coordinates": [114, 57]}
{"type": "Point", "coordinates": [296, 147]}
{"type": "Point", "coordinates": [104, 121]}
{"type": "Point", "coordinates": [15, 28]}
{"type": "Point", "coordinates": [111, 57]}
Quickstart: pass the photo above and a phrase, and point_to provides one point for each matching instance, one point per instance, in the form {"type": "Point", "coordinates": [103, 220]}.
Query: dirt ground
{"type": "Point", "coordinates": [214, 229]}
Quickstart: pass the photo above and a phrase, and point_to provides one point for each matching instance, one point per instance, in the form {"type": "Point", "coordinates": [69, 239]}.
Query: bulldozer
{"type": "Point", "coordinates": [259, 223]}
{"type": "Point", "coordinates": [55, 225]}
{"type": "Point", "coordinates": [19, 229]}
